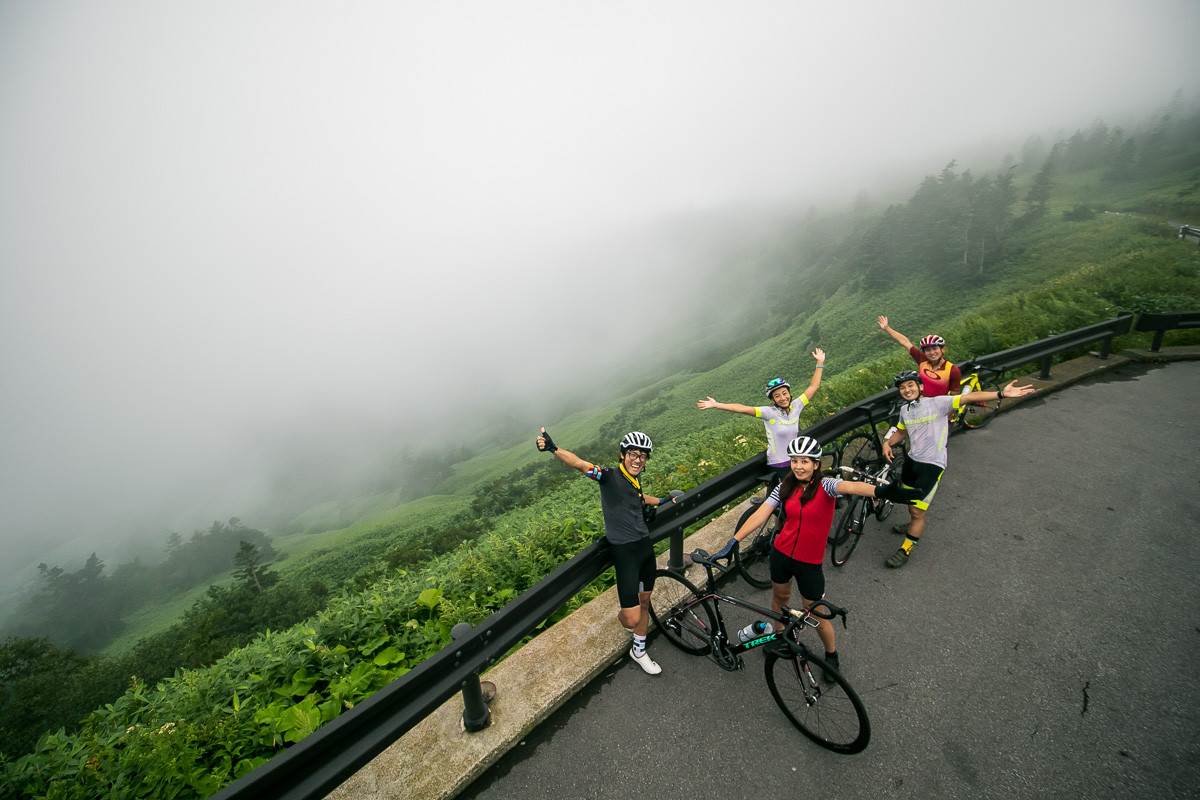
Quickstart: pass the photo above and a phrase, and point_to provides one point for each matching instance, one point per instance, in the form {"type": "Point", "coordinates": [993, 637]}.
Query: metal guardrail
{"type": "Point", "coordinates": [320, 762]}
{"type": "Point", "coordinates": [1189, 233]}
{"type": "Point", "coordinates": [1161, 323]}
{"type": "Point", "coordinates": [1044, 350]}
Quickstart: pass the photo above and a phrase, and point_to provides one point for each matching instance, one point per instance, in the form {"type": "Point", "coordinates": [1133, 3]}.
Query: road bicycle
{"type": "Point", "coordinates": [814, 696]}
{"type": "Point", "coordinates": [849, 526]}
{"type": "Point", "coordinates": [977, 413]}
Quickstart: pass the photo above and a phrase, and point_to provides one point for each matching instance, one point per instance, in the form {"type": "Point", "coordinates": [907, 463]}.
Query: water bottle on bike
{"type": "Point", "coordinates": [754, 630]}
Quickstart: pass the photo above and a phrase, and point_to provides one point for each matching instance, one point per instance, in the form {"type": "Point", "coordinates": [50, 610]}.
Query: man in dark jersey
{"type": "Point", "coordinates": [625, 527]}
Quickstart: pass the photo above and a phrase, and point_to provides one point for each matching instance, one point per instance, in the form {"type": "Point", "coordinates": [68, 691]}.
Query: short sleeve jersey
{"type": "Point", "coordinates": [806, 528]}
{"type": "Point", "coordinates": [621, 503]}
{"type": "Point", "coordinates": [936, 382]}
{"type": "Point", "coordinates": [782, 426]}
{"type": "Point", "coordinates": [925, 421]}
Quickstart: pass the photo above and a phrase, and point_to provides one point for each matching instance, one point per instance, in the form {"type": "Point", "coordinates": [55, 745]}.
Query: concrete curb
{"type": "Point", "coordinates": [438, 759]}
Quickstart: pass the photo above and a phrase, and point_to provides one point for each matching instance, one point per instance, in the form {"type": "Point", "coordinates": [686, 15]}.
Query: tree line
{"type": "Point", "coordinates": [83, 609]}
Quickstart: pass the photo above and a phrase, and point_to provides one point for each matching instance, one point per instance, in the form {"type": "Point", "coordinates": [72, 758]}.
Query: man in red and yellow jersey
{"type": "Point", "coordinates": [938, 375]}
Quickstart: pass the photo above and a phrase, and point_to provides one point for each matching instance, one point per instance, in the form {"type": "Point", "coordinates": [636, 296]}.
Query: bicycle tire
{"type": "Point", "coordinates": [832, 714]}
{"type": "Point", "coordinates": [682, 613]}
{"type": "Point", "coordinates": [847, 532]}
{"type": "Point", "coordinates": [862, 449]}
{"type": "Point", "coordinates": [975, 415]}
{"type": "Point", "coordinates": [752, 555]}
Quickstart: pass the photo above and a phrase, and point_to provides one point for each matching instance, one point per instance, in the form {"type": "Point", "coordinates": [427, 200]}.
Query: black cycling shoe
{"type": "Point", "coordinates": [832, 661]}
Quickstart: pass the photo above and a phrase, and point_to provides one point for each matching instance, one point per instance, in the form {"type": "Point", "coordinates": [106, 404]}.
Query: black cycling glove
{"type": "Point", "coordinates": [727, 550]}
{"type": "Point", "coordinates": [891, 491]}
{"type": "Point", "coordinates": [550, 446]}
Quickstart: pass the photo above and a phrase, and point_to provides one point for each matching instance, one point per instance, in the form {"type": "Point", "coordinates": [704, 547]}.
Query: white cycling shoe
{"type": "Point", "coordinates": [645, 662]}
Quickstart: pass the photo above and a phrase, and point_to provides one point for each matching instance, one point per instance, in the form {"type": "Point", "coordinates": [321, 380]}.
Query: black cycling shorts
{"type": "Point", "coordinates": [922, 480]}
{"type": "Point", "coordinates": [810, 578]}
{"type": "Point", "coordinates": [635, 566]}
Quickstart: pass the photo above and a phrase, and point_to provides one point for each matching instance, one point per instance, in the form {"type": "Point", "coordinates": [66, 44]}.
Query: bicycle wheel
{"type": "Point", "coordinates": [831, 714]}
{"type": "Point", "coordinates": [752, 556]}
{"type": "Point", "coordinates": [980, 412]}
{"type": "Point", "coordinates": [861, 451]}
{"type": "Point", "coordinates": [682, 613]}
{"type": "Point", "coordinates": [847, 532]}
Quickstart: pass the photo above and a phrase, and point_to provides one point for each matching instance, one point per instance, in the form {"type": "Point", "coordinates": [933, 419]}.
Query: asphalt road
{"type": "Point", "coordinates": [1044, 640]}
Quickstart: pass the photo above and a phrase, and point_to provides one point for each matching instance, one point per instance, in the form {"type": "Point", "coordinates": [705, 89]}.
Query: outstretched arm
{"type": "Point", "coordinates": [860, 488]}
{"type": "Point", "coordinates": [736, 408]}
{"type": "Point", "coordinates": [899, 337]}
{"type": "Point", "coordinates": [754, 523]}
{"type": "Point", "coordinates": [546, 444]}
{"type": "Point", "coordinates": [819, 355]}
{"type": "Point", "coordinates": [1008, 390]}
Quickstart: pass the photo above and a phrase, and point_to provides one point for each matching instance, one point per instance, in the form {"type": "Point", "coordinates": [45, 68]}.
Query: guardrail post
{"type": "Point", "coordinates": [476, 715]}
{"type": "Point", "coordinates": [1106, 347]}
{"type": "Point", "coordinates": [675, 560]}
{"type": "Point", "coordinates": [1158, 337]}
{"type": "Point", "coordinates": [1045, 373]}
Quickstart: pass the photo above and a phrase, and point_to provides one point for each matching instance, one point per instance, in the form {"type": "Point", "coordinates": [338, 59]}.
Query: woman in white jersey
{"type": "Point", "coordinates": [781, 419]}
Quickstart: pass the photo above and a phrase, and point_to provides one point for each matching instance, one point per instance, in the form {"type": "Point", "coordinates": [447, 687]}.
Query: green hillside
{"type": "Point", "coordinates": [988, 262]}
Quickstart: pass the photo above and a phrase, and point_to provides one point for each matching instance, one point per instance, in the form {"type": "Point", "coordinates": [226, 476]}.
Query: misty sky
{"type": "Point", "coordinates": [227, 228]}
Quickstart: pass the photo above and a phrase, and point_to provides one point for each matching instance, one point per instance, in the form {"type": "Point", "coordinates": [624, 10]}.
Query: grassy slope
{"type": "Point", "coordinates": [298, 552]}
{"type": "Point", "coordinates": [849, 333]}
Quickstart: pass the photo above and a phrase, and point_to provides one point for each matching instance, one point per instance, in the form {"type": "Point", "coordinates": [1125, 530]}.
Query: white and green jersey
{"type": "Point", "coordinates": [782, 427]}
{"type": "Point", "coordinates": [927, 424]}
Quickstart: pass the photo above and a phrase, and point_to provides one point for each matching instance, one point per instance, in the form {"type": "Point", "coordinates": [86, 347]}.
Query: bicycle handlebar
{"type": "Point", "coordinates": [702, 557]}
{"type": "Point", "coordinates": [833, 611]}
{"type": "Point", "coordinates": [865, 476]}
{"type": "Point", "coordinates": [971, 365]}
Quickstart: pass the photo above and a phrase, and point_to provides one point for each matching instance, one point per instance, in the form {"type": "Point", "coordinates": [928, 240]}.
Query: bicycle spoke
{"type": "Point", "coordinates": [829, 713]}
{"type": "Point", "coordinates": [683, 615]}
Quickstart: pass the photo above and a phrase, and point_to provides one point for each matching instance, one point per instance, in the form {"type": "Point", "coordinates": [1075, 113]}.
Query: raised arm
{"type": "Point", "coordinates": [736, 408]}
{"type": "Point", "coordinates": [546, 444]}
{"type": "Point", "coordinates": [899, 337]}
{"type": "Point", "coordinates": [819, 355]}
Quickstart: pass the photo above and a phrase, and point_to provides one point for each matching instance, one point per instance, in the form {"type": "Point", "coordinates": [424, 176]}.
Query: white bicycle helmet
{"type": "Point", "coordinates": [805, 446]}
{"type": "Point", "coordinates": [636, 440]}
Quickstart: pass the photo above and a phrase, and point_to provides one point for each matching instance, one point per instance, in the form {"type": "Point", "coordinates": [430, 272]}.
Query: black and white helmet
{"type": "Point", "coordinates": [805, 446]}
{"type": "Point", "coordinates": [636, 440]}
{"type": "Point", "coordinates": [905, 376]}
